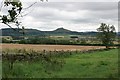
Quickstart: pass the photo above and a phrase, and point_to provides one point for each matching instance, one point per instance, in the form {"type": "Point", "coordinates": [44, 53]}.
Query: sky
{"type": "Point", "coordinates": [70, 14]}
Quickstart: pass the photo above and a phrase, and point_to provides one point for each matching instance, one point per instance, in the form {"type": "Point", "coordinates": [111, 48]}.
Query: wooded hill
{"type": "Point", "coordinates": [35, 32]}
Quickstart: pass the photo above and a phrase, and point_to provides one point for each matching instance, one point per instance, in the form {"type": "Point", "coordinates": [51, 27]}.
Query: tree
{"type": "Point", "coordinates": [14, 12]}
{"type": "Point", "coordinates": [106, 34]}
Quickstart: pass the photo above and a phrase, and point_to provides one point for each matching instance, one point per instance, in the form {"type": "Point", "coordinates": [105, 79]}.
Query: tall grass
{"type": "Point", "coordinates": [61, 64]}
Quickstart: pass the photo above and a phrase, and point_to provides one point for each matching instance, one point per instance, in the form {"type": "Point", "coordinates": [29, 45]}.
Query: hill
{"type": "Point", "coordinates": [35, 32]}
{"type": "Point", "coordinates": [61, 30]}
{"type": "Point", "coordinates": [18, 32]}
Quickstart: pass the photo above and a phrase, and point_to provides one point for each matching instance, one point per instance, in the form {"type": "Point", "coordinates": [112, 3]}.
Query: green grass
{"type": "Point", "coordinates": [100, 64]}
{"type": "Point", "coordinates": [0, 69]}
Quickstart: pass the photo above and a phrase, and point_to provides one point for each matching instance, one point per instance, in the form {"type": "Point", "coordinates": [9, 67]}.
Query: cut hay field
{"type": "Point", "coordinates": [49, 47]}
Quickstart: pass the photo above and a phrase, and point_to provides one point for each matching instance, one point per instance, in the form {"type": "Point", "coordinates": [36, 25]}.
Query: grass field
{"type": "Point", "coordinates": [98, 64]}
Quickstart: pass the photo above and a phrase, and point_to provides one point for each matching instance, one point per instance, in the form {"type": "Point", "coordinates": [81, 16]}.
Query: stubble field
{"type": "Point", "coordinates": [50, 47]}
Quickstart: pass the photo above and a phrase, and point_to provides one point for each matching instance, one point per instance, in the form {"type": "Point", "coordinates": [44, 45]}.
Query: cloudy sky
{"type": "Point", "coordinates": [73, 15]}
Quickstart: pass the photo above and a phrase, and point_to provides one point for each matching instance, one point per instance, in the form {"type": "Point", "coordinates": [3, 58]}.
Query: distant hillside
{"type": "Point", "coordinates": [35, 32]}
{"type": "Point", "coordinates": [62, 30]}
{"type": "Point", "coordinates": [18, 32]}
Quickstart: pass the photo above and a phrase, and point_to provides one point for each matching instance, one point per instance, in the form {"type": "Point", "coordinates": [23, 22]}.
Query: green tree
{"type": "Point", "coordinates": [106, 34]}
{"type": "Point", "coordinates": [13, 12]}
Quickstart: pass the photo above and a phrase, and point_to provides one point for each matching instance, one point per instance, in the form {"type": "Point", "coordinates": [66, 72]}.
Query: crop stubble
{"type": "Point", "coordinates": [49, 47]}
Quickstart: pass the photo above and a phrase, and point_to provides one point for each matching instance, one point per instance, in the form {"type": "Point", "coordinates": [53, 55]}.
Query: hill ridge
{"type": "Point", "coordinates": [35, 32]}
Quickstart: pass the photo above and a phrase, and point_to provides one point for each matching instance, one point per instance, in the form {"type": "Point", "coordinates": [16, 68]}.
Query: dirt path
{"type": "Point", "coordinates": [49, 47]}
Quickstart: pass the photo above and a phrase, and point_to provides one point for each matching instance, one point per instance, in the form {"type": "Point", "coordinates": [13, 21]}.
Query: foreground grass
{"type": "Point", "coordinates": [98, 64]}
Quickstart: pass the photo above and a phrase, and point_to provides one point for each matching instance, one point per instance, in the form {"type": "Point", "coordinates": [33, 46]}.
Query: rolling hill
{"type": "Point", "coordinates": [35, 32]}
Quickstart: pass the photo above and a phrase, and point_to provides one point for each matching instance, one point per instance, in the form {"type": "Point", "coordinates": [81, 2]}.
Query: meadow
{"type": "Point", "coordinates": [99, 63]}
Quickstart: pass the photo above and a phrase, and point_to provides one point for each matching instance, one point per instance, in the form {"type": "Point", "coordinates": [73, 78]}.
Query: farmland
{"type": "Point", "coordinates": [49, 47]}
{"type": "Point", "coordinates": [58, 61]}
{"type": "Point", "coordinates": [74, 64]}
{"type": "Point", "coordinates": [59, 40]}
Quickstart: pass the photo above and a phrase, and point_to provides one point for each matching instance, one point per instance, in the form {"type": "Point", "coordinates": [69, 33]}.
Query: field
{"type": "Point", "coordinates": [58, 61]}
{"type": "Point", "coordinates": [96, 64]}
{"type": "Point", "coordinates": [49, 47]}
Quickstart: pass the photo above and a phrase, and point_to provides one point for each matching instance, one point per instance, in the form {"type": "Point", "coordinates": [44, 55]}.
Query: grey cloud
{"type": "Point", "coordinates": [72, 12]}
{"type": "Point", "coordinates": [72, 6]}
{"type": "Point", "coordinates": [102, 10]}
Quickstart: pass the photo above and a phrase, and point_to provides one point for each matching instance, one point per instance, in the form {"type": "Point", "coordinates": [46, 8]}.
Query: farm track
{"type": "Point", "coordinates": [49, 47]}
